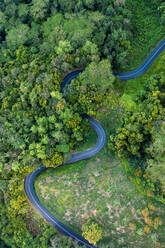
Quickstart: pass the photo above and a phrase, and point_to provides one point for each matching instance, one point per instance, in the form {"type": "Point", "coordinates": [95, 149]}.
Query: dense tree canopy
{"type": "Point", "coordinates": [40, 41]}
{"type": "Point", "coordinates": [89, 91]}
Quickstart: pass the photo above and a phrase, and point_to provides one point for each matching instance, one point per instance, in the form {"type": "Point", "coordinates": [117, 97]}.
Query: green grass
{"type": "Point", "coordinates": [99, 188]}
{"type": "Point", "coordinates": [147, 31]}
{"type": "Point", "coordinates": [130, 88]}
{"type": "Point", "coordinates": [89, 143]}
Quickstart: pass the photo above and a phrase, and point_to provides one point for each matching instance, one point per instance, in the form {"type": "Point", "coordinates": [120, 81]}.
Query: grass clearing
{"type": "Point", "coordinates": [99, 188]}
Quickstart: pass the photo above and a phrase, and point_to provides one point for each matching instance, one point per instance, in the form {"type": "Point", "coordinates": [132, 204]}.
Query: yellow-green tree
{"type": "Point", "coordinates": [92, 232]}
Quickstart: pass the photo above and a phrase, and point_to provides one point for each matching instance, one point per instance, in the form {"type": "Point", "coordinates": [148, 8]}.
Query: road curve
{"type": "Point", "coordinates": [30, 191]}
{"type": "Point", "coordinates": [29, 180]}
{"type": "Point", "coordinates": [101, 140]}
{"type": "Point", "coordinates": [144, 66]}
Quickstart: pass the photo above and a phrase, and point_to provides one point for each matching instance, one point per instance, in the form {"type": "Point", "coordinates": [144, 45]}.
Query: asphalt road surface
{"type": "Point", "coordinates": [145, 65]}
{"type": "Point", "coordinates": [29, 180]}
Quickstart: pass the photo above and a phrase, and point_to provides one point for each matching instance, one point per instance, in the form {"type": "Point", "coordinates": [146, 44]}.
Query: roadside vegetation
{"type": "Point", "coordinates": [42, 40]}
{"type": "Point", "coordinates": [101, 190]}
{"type": "Point", "coordinates": [148, 29]}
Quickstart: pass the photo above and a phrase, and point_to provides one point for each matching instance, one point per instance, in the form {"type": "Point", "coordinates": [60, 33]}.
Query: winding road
{"type": "Point", "coordinates": [29, 180]}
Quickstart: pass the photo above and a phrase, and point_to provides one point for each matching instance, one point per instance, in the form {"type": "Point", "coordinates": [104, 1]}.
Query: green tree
{"type": "Point", "coordinates": [156, 150]}
{"type": "Point", "coordinates": [64, 47]}
{"type": "Point", "coordinates": [18, 36]}
{"type": "Point", "coordinates": [2, 21]}
{"type": "Point", "coordinates": [39, 9]}
{"type": "Point", "coordinates": [51, 24]}
{"type": "Point", "coordinates": [100, 74]}
{"type": "Point", "coordinates": [92, 232]}
{"type": "Point", "coordinates": [78, 30]}
{"type": "Point", "coordinates": [91, 51]}
{"type": "Point", "coordinates": [11, 9]}
{"type": "Point", "coordinates": [23, 12]}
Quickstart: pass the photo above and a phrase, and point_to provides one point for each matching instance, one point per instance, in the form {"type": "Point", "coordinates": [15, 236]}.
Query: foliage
{"type": "Point", "coordinates": [136, 131]}
{"type": "Point", "coordinates": [99, 25]}
{"type": "Point", "coordinates": [119, 195]}
{"type": "Point", "coordinates": [140, 137]}
{"type": "Point", "coordinates": [156, 164]}
{"type": "Point", "coordinates": [161, 9]}
{"type": "Point", "coordinates": [57, 241]}
{"type": "Point", "coordinates": [39, 9]}
{"type": "Point", "coordinates": [147, 28]}
{"type": "Point", "coordinates": [38, 124]}
{"type": "Point", "coordinates": [92, 232]}
{"type": "Point", "coordinates": [144, 116]}
{"type": "Point", "coordinates": [37, 127]}
{"type": "Point", "coordinates": [18, 36]}
{"type": "Point", "coordinates": [90, 90]}
{"type": "Point", "coordinates": [39, 41]}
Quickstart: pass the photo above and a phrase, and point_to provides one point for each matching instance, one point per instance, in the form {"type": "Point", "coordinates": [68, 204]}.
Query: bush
{"type": "Point", "coordinates": [136, 131]}
{"type": "Point", "coordinates": [18, 36]}
{"type": "Point", "coordinates": [92, 232]}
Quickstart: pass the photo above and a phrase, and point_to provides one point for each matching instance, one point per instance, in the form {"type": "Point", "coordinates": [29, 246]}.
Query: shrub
{"type": "Point", "coordinates": [92, 232]}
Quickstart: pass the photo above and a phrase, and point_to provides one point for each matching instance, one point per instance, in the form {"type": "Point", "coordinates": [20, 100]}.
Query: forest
{"type": "Point", "coordinates": [40, 42]}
